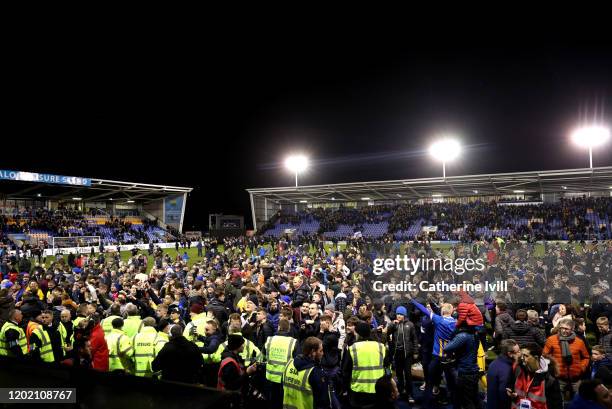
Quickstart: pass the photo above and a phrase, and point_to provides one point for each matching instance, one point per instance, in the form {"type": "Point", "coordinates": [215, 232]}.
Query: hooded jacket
{"type": "Point", "coordinates": [317, 380]}
{"type": "Point", "coordinates": [502, 322]}
{"type": "Point", "coordinates": [468, 311]}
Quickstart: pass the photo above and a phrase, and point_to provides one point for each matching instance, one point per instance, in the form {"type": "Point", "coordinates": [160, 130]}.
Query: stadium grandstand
{"type": "Point", "coordinates": [59, 211]}
{"type": "Point", "coordinates": [559, 204]}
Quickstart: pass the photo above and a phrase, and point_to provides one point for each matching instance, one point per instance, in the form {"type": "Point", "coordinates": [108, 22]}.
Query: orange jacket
{"type": "Point", "coordinates": [580, 356]}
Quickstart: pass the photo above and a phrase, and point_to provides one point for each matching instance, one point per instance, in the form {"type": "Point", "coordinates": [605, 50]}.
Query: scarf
{"type": "Point", "coordinates": [566, 353]}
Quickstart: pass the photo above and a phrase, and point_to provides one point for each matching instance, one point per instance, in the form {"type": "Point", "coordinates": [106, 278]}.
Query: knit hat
{"type": "Point", "coordinates": [363, 329]}
{"type": "Point", "coordinates": [234, 341]}
{"type": "Point", "coordinates": [401, 310]}
{"type": "Point", "coordinates": [330, 307]}
{"type": "Point", "coordinates": [196, 309]}
{"type": "Point", "coordinates": [286, 299]}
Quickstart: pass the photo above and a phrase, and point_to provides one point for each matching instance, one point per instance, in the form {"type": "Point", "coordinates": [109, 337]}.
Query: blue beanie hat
{"type": "Point", "coordinates": [401, 310]}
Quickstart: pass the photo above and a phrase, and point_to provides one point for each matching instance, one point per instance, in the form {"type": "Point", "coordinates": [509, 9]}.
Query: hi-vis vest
{"type": "Point", "coordinates": [198, 321]}
{"type": "Point", "coordinates": [46, 349]}
{"type": "Point", "coordinates": [63, 334]}
{"type": "Point", "coordinates": [161, 341]}
{"type": "Point", "coordinates": [144, 350]}
{"type": "Point", "coordinates": [526, 388]}
{"type": "Point", "coordinates": [132, 326]}
{"type": "Point", "coordinates": [246, 354]}
{"type": "Point", "coordinates": [107, 324]}
{"type": "Point", "coordinates": [368, 367]}
{"type": "Point", "coordinates": [119, 350]}
{"type": "Point", "coordinates": [297, 392]}
{"type": "Point", "coordinates": [279, 350]}
{"type": "Point", "coordinates": [4, 348]}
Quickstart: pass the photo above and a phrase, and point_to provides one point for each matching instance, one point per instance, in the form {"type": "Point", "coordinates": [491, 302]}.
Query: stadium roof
{"type": "Point", "coordinates": [99, 189]}
{"type": "Point", "coordinates": [498, 184]}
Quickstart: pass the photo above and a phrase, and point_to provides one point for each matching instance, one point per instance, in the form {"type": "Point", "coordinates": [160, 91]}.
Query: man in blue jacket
{"type": "Point", "coordinates": [501, 376]}
{"type": "Point", "coordinates": [464, 346]}
{"type": "Point", "coordinates": [444, 327]}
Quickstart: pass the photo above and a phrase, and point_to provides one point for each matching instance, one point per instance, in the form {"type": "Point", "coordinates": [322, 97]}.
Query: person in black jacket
{"type": "Point", "coordinates": [330, 363]}
{"type": "Point", "coordinates": [217, 306]}
{"type": "Point", "coordinates": [404, 348]}
{"type": "Point", "coordinates": [522, 332]}
{"type": "Point", "coordinates": [300, 293]}
{"type": "Point", "coordinates": [179, 360]}
{"type": "Point", "coordinates": [263, 329]}
{"type": "Point", "coordinates": [232, 374]}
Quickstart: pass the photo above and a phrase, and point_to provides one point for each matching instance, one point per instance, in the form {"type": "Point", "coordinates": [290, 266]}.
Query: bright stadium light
{"type": "Point", "coordinates": [591, 137]}
{"type": "Point", "coordinates": [296, 164]}
{"type": "Point", "coordinates": [445, 150]}
{"type": "Point", "coordinates": [76, 198]}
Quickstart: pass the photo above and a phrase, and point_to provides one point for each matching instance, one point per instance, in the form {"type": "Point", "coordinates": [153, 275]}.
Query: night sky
{"type": "Point", "coordinates": [221, 118]}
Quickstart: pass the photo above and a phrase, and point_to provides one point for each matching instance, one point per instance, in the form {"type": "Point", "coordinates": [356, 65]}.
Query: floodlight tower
{"type": "Point", "coordinates": [445, 150]}
{"type": "Point", "coordinates": [591, 137]}
{"type": "Point", "coordinates": [296, 164]}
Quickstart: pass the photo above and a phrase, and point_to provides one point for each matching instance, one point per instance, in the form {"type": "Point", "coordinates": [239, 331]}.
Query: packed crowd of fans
{"type": "Point", "coordinates": [296, 325]}
{"type": "Point", "coordinates": [65, 222]}
{"type": "Point", "coordinates": [568, 219]}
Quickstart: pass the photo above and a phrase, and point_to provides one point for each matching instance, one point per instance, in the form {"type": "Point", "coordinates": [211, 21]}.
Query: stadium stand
{"type": "Point", "coordinates": [578, 218]}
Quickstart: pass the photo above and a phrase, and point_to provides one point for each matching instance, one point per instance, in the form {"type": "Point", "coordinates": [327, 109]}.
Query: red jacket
{"type": "Point", "coordinates": [99, 349]}
{"type": "Point", "coordinates": [468, 311]}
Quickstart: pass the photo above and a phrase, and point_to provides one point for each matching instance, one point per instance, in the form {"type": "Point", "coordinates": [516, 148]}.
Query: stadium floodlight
{"type": "Point", "coordinates": [130, 201]}
{"type": "Point", "coordinates": [296, 164]}
{"type": "Point", "coordinates": [76, 198]}
{"type": "Point", "coordinates": [519, 191]}
{"type": "Point", "coordinates": [365, 198]}
{"type": "Point", "coordinates": [445, 150]}
{"type": "Point", "coordinates": [591, 137]}
{"type": "Point", "coordinates": [303, 201]}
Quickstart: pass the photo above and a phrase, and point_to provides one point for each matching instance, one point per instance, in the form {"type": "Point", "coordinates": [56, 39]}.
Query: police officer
{"type": "Point", "coordinates": [278, 351]}
{"type": "Point", "coordinates": [364, 364]}
{"type": "Point", "coordinates": [120, 350]}
{"type": "Point", "coordinates": [304, 384]}
{"type": "Point", "coordinates": [12, 337]}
